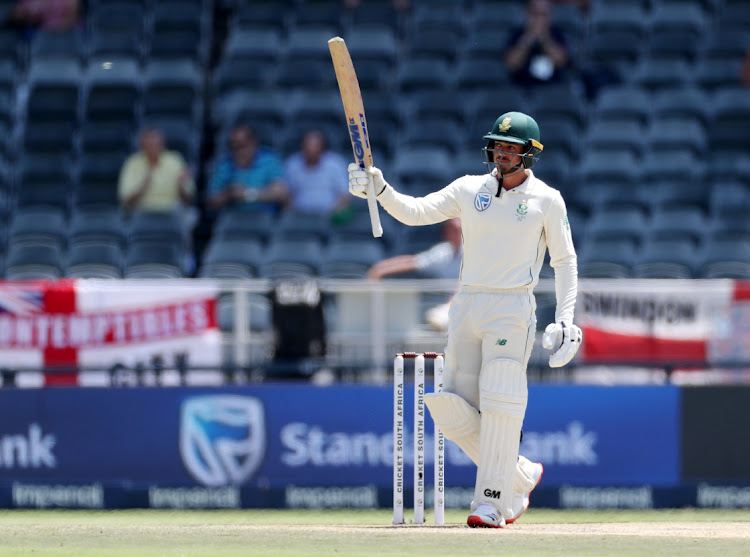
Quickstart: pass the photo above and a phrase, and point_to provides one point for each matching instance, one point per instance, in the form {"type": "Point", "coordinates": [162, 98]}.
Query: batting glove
{"type": "Point", "coordinates": [564, 339]}
{"type": "Point", "coordinates": [360, 179]}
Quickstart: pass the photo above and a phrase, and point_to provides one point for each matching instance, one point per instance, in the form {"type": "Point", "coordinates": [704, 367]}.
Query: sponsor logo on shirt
{"type": "Point", "coordinates": [482, 201]}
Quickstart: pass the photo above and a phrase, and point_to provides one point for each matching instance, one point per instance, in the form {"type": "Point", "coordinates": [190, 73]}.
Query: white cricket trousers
{"type": "Point", "coordinates": [484, 325]}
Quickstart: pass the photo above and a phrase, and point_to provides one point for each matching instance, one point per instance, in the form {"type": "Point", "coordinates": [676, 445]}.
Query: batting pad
{"type": "Point", "coordinates": [457, 419]}
{"type": "Point", "coordinates": [502, 399]}
{"type": "Point", "coordinates": [524, 477]}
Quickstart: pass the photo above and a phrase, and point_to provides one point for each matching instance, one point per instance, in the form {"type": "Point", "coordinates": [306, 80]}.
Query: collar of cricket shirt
{"type": "Point", "coordinates": [526, 186]}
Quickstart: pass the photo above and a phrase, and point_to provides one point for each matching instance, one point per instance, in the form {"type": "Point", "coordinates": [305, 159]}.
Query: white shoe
{"type": "Point", "coordinates": [486, 516]}
{"type": "Point", "coordinates": [521, 500]}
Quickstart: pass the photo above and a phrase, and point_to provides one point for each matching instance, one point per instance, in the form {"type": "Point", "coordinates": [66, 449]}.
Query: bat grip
{"type": "Point", "coordinates": [372, 206]}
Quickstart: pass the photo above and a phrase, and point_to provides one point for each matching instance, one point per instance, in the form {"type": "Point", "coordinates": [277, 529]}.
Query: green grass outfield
{"type": "Point", "coordinates": [152, 533]}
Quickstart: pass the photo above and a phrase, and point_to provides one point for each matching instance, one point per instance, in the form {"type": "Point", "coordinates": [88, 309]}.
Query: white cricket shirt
{"type": "Point", "coordinates": [504, 238]}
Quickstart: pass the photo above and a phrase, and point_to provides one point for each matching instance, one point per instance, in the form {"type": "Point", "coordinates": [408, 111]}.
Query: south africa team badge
{"type": "Point", "coordinates": [482, 201]}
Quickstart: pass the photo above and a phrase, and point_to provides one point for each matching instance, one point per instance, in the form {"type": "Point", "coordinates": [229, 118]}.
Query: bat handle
{"type": "Point", "coordinates": [372, 205]}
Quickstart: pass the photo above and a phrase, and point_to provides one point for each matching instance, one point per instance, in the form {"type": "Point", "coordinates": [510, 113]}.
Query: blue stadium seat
{"type": "Point", "coordinates": [94, 260]}
{"type": "Point", "coordinates": [607, 258]}
{"type": "Point", "coordinates": [232, 258]}
{"type": "Point", "coordinates": [666, 258]}
{"type": "Point", "coordinates": [617, 222]}
{"type": "Point", "coordinates": [30, 261]}
{"type": "Point", "coordinates": [292, 258]}
{"type": "Point", "coordinates": [350, 259]}
{"type": "Point", "coordinates": [725, 258]}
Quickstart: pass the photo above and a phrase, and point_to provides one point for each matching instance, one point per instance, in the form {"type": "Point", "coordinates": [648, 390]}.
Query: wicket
{"type": "Point", "coordinates": [419, 438]}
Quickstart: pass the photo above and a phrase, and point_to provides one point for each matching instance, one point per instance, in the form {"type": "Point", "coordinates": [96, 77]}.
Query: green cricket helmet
{"type": "Point", "coordinates": [519, 128]}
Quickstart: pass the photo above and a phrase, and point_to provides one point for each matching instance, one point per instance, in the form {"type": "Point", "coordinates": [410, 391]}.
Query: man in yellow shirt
{"type": "Point", "coordinates": [154, 178]}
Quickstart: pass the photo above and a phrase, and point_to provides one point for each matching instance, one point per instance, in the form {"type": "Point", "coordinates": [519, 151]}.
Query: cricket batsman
{"type": "Point", "coordinates": [509, 218]}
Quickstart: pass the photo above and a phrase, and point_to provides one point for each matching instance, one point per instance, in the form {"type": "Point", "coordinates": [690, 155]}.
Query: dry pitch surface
{"type": "Point", "coordinates": [144, 533]}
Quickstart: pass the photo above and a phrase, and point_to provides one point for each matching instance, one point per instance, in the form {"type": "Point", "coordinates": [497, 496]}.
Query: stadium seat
{"type": "Point", "coordinates": [172, 88]}
{"type": "Point", "coordinates": [659, 73]}
{"type": "Point", "coordinates": [434, 42]}
{"type": "Point", "coordinates": [38, 225]}
{"type": "Point", "coordinates": [428, 105]}
{"type": "Point", "coordinates": [310, 43]}
{"type": "Point", "coordinates": [480, 72]}
{"type": "Point", "coordinates": [610, 16]}
{"type": "Point", "coordinates": [665, 258]}
{"type": "Point", "coordinates": [54, 87]}
{"type": "Point", "coordinates": [616, 49]}
{"type": "Point", "coordinates": [686, 103]}
{"type": "Point", "coordinates": [675, 133]}
{"type": "Point", "coordinates": [112, 89]}
{"type": "Point", "coordinates": [31, 261]}
{"type": "Point", "coordinates": [243, 225]}
{"type": "Point", "coordinates": [260, 16]}
{"type": "Point", "coordinates": [151, 226]}
{"type": "Point", "coordinates": [350, 259]}
{"type": "Point", "coordinates": [48, 137]}
{"type": "Point", "coordinates": [107, 43]}
{"type": "Point", "coordinates": [107, 139]}
{"type": "Point", "coordinates": [615, 135]}
{"type": "Point", "coordinates": [57, 45]}
{"type": "Point", "coordinates": [674, 44]}
{"type": "Point", "coordinates": [713, 74]}
{"type": "Point", "coordinates": [607, 258]}
{"type": "Point", "coordinates": [300, 74]}
{"type": "Point", "coordinates": [325, 13]}
{"type": "Point", "coordinates": [245, 43]}
{"type": "Point", "coordinates": [617, 222]}
{"type": "Point", "coordinates": [409, 165]}
{"type": "Point", "coordinates": [154, 260]}
{"type": "Point", "coordinates": [97, 181]}
{"type": "Point", "coordinates": [296, 225]}
{"type": "Point", "coordinates": [617, 167]}
{"type": "Point", "coordinates": [443, 133]}
{"type": "Point", "coordinates": [98, 226]}
{"type": "Point", "coordinates": [423, 73]}
{"type": "Point", "coordinates": [177, 31]}
{"type": "Point", "coordinates": [232, 259]}
{"type": "Point", "coordinates": [678, 222]}
{"type": "Point", "coordinates": [560, 101]}
{"type": "Point", "coordinates": [681, 17]}
{"type": "Point", "coordinates": [725, 258]}
{"type": "Point", "coordinates": [94, 260]}
{"type": "Point", "coordinates": [291, 258]}
{"type": "Point", "coordinates": [624, 101]}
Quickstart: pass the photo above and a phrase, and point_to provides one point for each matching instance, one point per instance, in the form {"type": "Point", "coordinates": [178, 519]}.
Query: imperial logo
{"type": "Point", "coordinates": [222, 438]}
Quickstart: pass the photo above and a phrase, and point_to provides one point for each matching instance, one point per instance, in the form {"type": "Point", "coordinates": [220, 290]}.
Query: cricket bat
{"type": "Point", "coordinates": [354, 109]}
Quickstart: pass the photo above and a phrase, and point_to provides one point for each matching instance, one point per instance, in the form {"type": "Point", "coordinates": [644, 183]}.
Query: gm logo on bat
{"type": "Point", "coordinates": [359, 151]}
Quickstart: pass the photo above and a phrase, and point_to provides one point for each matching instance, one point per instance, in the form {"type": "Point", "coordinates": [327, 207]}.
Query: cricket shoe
{"type": "Point", "coordinates": [486, 516]}
{"type": "Point", "coordinates": [521, 500]}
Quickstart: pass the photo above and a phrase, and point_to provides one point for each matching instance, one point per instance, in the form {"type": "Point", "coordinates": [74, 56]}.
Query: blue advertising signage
{"type": "Point", "coordinates": [272, 436]}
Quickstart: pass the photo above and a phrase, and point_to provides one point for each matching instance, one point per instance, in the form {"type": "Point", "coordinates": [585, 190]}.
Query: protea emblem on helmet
{"type": "Point", "coordinates": [505, 126]}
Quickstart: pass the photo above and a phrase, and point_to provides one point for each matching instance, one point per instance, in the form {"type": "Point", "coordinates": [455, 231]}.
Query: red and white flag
{"type": "Point", "coordinates": [98, 324]}
{"type": "Point", "coordinates": [651, 321]}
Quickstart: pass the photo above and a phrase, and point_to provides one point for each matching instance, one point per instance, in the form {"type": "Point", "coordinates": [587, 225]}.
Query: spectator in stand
{"type": "Point", "coordinates": [154, 178]}
{"type": "Point", "coordinates": [317, 178]}
{"type": "Point", "coordinates": [52, 15]}
{"type": "Point", "coordinates": [537, 53]}
{"type": "Point", "coordinates": [251, 177]}
{"type": "Point", "coordinates": [443, 260]}
{"type": "Point", "coordinates": [745, 78]}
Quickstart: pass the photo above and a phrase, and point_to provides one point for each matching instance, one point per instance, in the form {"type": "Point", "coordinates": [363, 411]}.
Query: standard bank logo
{"type": "Point", "coordinates": [222, 438]}
{"type": "Point", "coordinates": [482, 201]}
